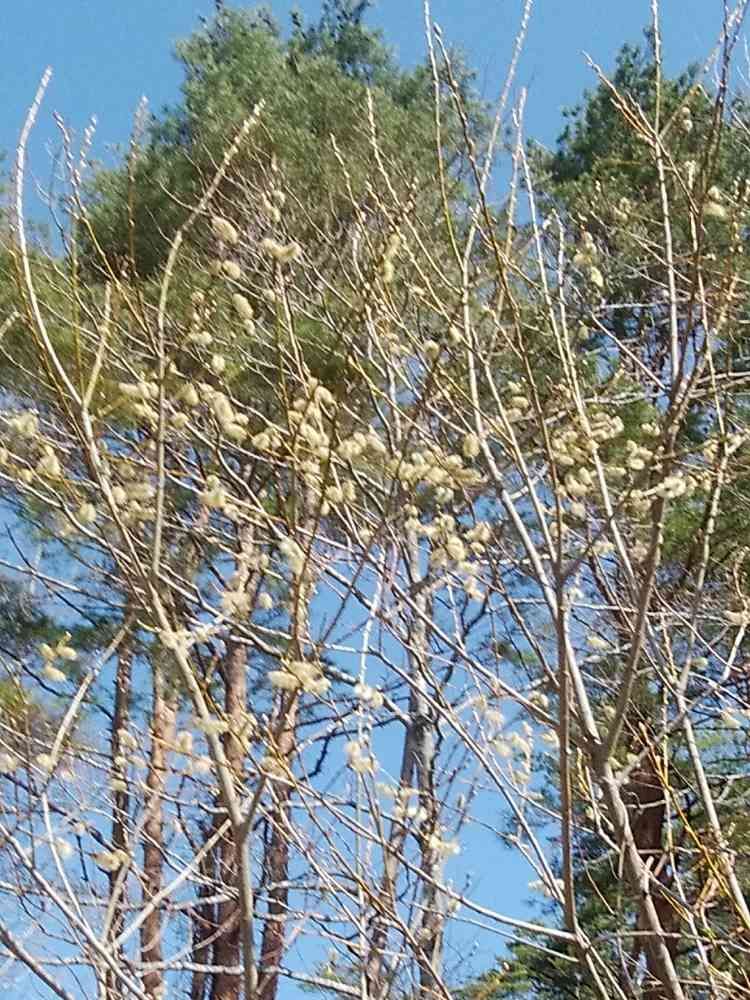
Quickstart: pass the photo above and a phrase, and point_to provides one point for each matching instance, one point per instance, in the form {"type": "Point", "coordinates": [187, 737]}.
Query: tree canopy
{"type": "Point", "coordinates": [312, 86]}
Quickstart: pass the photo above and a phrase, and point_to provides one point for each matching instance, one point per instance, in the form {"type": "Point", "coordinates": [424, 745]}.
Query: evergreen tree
{"type": "Point", "coordinates": [312, 88]}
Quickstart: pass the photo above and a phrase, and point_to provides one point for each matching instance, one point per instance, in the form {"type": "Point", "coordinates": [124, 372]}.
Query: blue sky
{"type": "Point", "coordinates": [106, 55]}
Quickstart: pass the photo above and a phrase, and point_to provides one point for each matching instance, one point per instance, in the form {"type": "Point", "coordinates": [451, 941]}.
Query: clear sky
{"type": "Point", "coordinates": [106, 55]}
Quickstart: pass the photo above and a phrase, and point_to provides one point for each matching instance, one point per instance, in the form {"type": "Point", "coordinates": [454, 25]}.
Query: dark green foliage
{"type": "Point", "coordinates": [22, 621]}
{"type": "Point", "coordinates": [312, 85]}
{"type": "Point", "coordinates": [594, 143]}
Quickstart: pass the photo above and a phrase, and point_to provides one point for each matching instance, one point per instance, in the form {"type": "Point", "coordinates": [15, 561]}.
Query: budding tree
{"type": "Point", "coordinates": [380, 520]}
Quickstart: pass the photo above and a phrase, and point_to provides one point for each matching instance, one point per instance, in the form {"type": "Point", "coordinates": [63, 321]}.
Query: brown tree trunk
{"type": "Point", "coordinates": [648, 811]}
{"type": "Point", "coordinates": [276, 858]}
{"type": "Point", "coordinates": [276, 854]}
{"type": "Point", "coordinates": [162, 734]}
{"type": "Point", "coordinates": [226, 950]}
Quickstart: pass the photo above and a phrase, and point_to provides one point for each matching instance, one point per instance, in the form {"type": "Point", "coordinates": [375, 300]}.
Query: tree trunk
{"type": "Point", "coordinates": [226, 950]}
{"type": "Point", "coordinates": [162, 734]}
{"type": "Point", "coordinates": [276, 858]}
{"type": "Point", "coordinates": [121, 799]}
{"type": "Point", "coordinates": [417, 762]}
{"type": "Point", "coordinates": [377, 982]}
{"type": "Point", "coordinates": [648, 810]}
{"type": "Point", "coordinates": [276, 854]}
{"type": "Point", "coordinates": [430, 942]}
